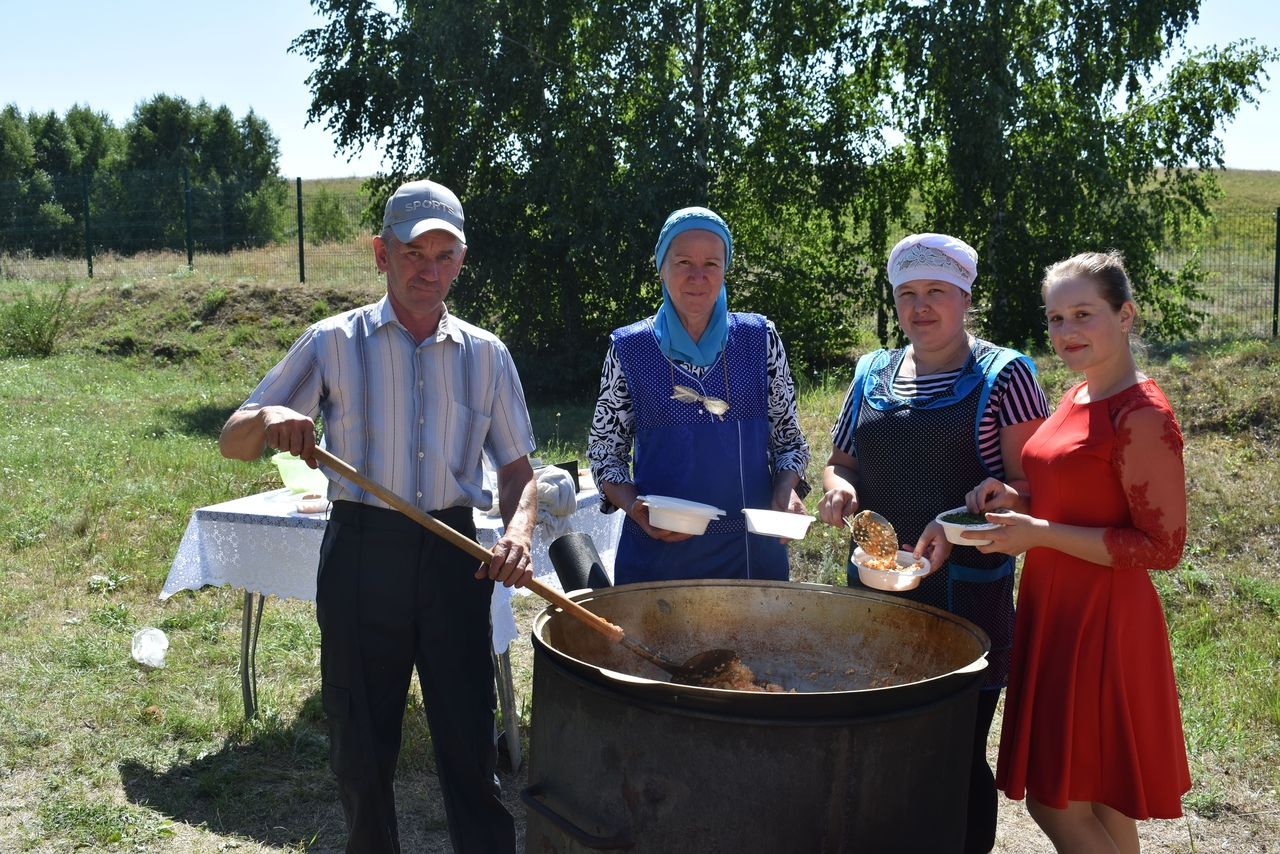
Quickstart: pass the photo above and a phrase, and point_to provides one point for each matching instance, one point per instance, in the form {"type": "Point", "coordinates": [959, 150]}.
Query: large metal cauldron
{"type": "Point", "coordinates": [872, 755]}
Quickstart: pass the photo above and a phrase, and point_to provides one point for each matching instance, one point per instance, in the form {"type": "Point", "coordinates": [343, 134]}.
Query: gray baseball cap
{"type": "Point", "coordinates": [421, 206]}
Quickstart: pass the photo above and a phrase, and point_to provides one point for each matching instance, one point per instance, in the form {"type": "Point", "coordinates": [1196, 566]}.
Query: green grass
{"type": "Point", "coordinates": [109, 445]}
{"type": "Point", "coordinates": [1248, 190]}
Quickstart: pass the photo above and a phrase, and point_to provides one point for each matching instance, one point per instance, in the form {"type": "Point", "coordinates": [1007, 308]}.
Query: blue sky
{"type": "Point", "coordinates": [111, 56]}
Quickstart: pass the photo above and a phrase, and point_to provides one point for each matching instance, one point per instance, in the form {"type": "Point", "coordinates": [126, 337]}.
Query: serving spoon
{"type": "Point", "coordinates": [874, 533]}
{"type": "Point", "coordinates": [701, 669]}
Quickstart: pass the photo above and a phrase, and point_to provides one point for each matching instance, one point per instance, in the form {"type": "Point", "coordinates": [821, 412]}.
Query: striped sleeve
{"type": "Point", "coordinates": [510, 433]}
{"type": "Point", "coordinates": [842, 432]}
{"type": "Point", "coordinates": [1021, 398]}
{"type": "Point", "coordinates": [295, 381]}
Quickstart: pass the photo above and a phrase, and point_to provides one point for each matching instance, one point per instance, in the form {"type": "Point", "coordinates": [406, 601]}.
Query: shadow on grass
{"type": "Point", "coordinates": [203, 421]}
{"type": "Point", "coordinates": [276, 789]}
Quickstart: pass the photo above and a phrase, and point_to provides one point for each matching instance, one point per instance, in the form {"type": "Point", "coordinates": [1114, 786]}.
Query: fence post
{"type": "Point", "coordinates": [1275, 282]}
{"type": "Point", "coordinates": [302, 263]}
{"type": "Point", "coordinates": [186, 192]}
{"type": "Point", "coordinates": [88, 234]}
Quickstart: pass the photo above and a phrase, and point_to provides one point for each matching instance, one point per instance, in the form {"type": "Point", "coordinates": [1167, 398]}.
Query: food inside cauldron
{"type": "Point", "coordinates": [736, 676]}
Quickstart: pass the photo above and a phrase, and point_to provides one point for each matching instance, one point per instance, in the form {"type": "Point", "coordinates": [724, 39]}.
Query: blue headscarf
{"type": "Point", "coordinates": [673, 338]}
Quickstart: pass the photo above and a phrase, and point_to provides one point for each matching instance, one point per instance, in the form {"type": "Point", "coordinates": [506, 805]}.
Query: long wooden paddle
{"type": "Point", "coordinates": [698, 669]}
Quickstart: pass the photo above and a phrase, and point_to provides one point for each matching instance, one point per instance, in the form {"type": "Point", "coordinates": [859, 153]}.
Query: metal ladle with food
{"type": "Point", "coordinates": [875, 534]}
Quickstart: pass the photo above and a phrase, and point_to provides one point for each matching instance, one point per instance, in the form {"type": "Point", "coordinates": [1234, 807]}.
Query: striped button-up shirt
{"type": "Point", "coordinates": [413, 417]}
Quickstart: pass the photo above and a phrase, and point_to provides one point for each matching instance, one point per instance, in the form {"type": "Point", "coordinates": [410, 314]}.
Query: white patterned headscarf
{"type": "Point", "coordinates": [933, 256]}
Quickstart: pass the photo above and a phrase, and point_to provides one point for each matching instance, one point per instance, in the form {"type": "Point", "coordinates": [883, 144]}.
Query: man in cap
{"type": "Point", "coordinates": [411, 396]}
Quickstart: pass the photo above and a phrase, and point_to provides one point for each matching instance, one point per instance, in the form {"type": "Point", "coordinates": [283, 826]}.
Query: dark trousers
{"type": "Point", "coordinates": [980, 831]}
{"type": "Point", "coordinates": [390, 597]}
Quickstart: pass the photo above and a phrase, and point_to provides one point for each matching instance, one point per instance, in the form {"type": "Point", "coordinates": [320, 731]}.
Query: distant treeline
{"type": "Point", "coordinates": [174, 171]}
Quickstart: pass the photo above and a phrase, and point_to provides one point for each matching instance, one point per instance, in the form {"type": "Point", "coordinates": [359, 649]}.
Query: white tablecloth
{"type": "Point", "coordinates": [262, 544]}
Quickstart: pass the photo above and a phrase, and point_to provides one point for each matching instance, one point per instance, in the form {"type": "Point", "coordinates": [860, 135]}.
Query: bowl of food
{"type": "Point", "coordinates": [298, 476]}
{"type": "Point", "coordinates": [901, 572]}
{"type": "Point", "coordinates": [774, 523]}
{"type": "Point", "coordinates": [957, 520]}
{"type": "Point", "coordinates": [312, 502]}
{"type": "Point", "coordinates": [679, 515]}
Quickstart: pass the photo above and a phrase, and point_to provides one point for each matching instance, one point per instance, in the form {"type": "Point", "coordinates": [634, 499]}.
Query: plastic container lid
{"type": "Point", "coordinates": [666, 502]}
{"type": "Point", "coordinates": [679, 515]}
{"type": "Point", "coordinates": [774, 523]}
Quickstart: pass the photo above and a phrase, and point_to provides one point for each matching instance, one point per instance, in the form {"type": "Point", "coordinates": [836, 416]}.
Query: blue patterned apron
{"type": "Point", "coordinates": [683, 451]}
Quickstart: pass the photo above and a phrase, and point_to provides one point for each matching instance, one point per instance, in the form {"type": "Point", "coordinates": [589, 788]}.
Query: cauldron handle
{"type": "Point", "coordinates": [531, 796]}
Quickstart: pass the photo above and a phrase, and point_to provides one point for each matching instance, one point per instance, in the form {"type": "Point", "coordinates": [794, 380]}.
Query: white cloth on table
{"type": "Point", "coordinates": [261, 543]}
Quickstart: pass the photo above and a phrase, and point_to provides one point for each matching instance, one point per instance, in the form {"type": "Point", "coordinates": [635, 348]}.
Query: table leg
{"type": "Point", "coordinates": [507, 701]}
{"type": "Point", "coordinates": [250, 623]}
{"type": "Point", "coordinates": [246, 632]}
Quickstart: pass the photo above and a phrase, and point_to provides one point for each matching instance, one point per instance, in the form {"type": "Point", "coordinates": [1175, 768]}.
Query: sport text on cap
{"type": "Point", "coordinates": [421, 206]}
{"type": "Point", "coordinates": [933, 256]}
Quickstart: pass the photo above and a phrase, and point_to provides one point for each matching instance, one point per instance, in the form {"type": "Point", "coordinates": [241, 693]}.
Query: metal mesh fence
{"type": "Point", "coordinates": [166, 224]}
{"type": "Point", "coordinates": [1238, 254]}
{"type": "Point", "coordinates": [155, 224]}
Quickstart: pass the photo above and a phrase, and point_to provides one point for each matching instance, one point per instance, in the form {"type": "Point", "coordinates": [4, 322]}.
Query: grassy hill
{"type": "Point", "coordinates": [1248, 190]}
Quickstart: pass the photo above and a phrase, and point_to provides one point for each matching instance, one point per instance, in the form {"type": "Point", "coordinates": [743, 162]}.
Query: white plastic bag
{"type": "Point", "coordinates": [149, 646]}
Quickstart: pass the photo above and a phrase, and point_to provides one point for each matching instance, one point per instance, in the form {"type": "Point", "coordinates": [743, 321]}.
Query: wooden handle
{"type": "Point", "coordinates": [468, 545]}
{"type": "Point", "coordinates": [573, 609]}
{"type": "Point", "coordinates": [426, 520]}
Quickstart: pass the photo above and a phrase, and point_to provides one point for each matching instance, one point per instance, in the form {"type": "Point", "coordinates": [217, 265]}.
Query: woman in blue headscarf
{"type": "Point", "coordinates": [697, 403]}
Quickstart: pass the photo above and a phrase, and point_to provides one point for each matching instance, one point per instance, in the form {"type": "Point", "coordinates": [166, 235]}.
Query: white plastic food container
{"type": "Point", "coordinates": [679, 515]}
{"type": "Point", "coordinates": [313, 502]}
{"type": "Point", "coordinates": [774, 523]}
{"type": "Point", "coordinates": [888, 579]}
{"type": "Point", "coordinates": [953, 530]}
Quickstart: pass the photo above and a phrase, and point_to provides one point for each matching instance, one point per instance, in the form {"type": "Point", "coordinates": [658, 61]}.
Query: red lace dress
{"type": "Point", "coordinates": [1091, 712]}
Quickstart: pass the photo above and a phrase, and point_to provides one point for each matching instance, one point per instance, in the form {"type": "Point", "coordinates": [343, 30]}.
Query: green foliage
{"type": "Point", "coordinates": [214, 299]}
{"type": "Point", "coordinates": [1039, 132]}
{"type": "Point", "coordinates": [32, 324]}
{"type": "Point", "coordinates": [326, 220]}
{"type": "Point", "coordinates": [139, 180]}
{"type": "Point", "coordinates": [1033, 130]}
{"type": "Point", "coordinates": [267, 213]}
{"type": "Point", "coordinates": [41, 191]}
{"type": "Point", "coordinates": [576, 133]}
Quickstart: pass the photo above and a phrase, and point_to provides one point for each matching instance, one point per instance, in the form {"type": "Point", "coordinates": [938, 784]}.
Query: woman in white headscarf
{"type": "Point", "coordinates": [697, 403]}
{"type": "Point", "coordinates": [918, 425]}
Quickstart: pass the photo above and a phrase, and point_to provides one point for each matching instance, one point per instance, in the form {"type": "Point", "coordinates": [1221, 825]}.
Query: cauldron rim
{"type": "Point", "coordinates": [774, 706]}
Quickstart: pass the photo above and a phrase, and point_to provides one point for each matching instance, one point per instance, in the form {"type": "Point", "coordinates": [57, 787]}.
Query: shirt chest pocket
{"type": "Point", "coordinates": [464, 435]}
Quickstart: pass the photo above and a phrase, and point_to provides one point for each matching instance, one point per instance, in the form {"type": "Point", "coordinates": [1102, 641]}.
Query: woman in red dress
{"type": "Point", "coordinates": [1092, 734]}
